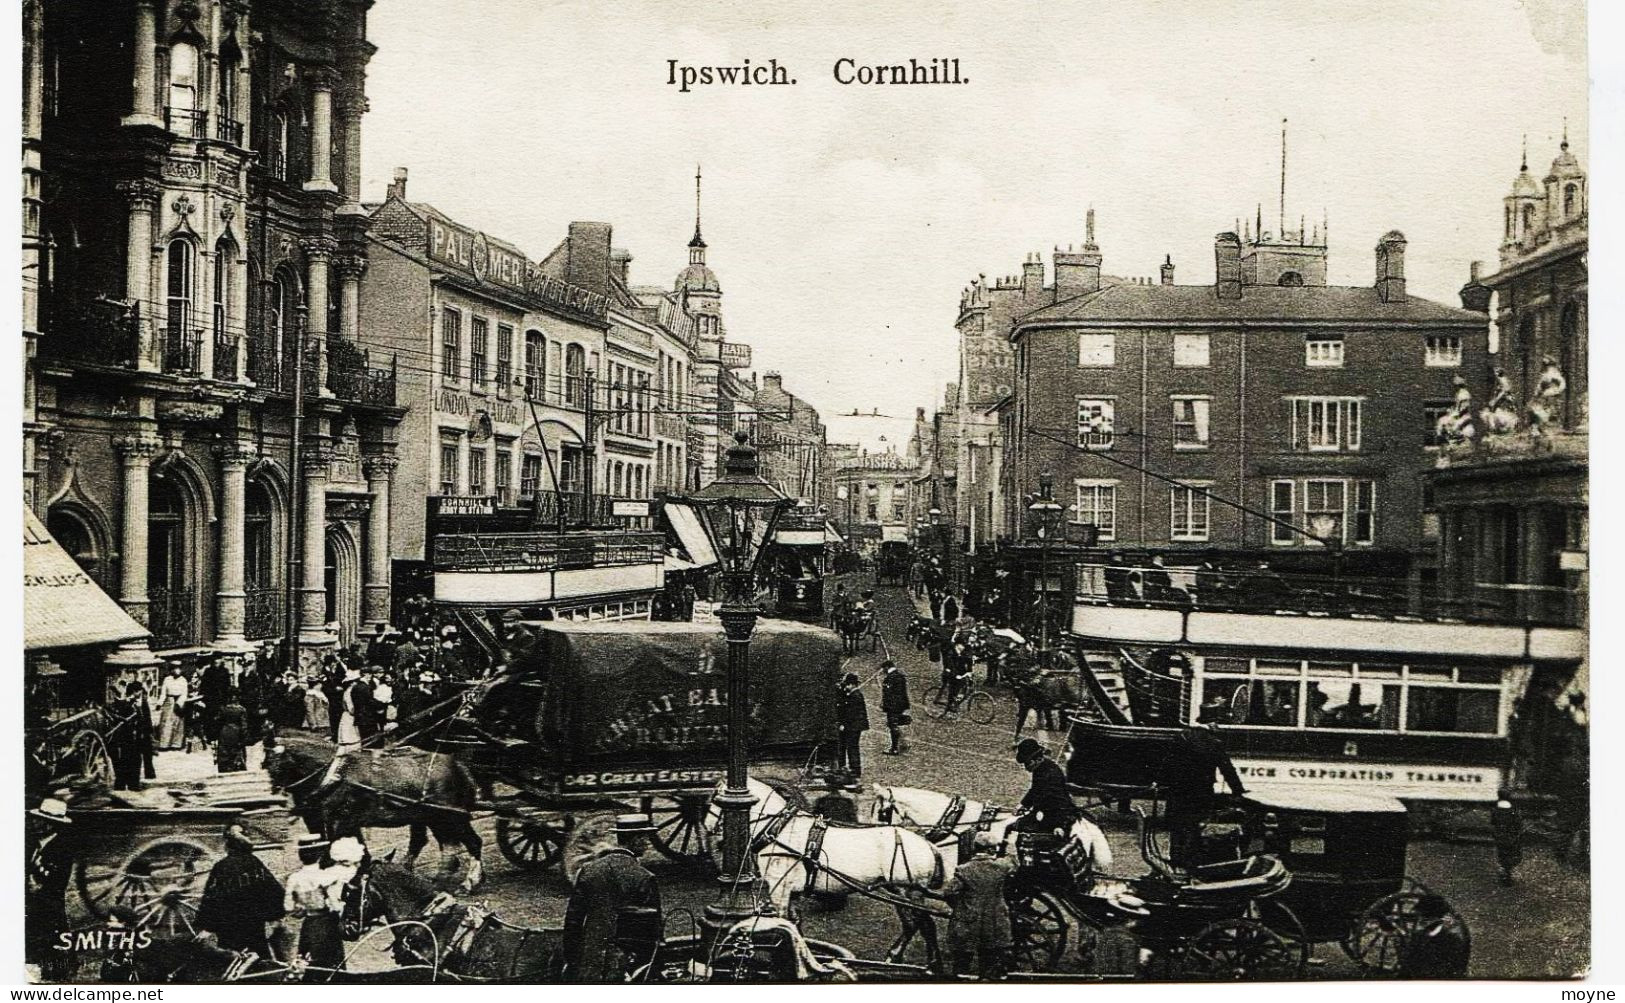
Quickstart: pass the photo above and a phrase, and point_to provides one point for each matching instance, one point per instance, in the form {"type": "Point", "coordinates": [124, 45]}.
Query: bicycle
{"type": "Point", "coordinates": [977, 704]}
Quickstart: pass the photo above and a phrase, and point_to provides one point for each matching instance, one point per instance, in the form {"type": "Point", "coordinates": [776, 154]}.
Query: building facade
{"type": "Point", "coordinates": [1263, 416]}
{"type": "Point", "coordinates": [874, 496]}
{"type": "Point", "coordinates": [207, 438]}
{"type": "Point", "coordinates": [789, 438]}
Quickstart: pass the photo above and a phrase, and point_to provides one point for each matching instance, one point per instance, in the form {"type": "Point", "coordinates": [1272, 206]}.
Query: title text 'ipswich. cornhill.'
{"type": "Point", "coordinates": [846, 70]}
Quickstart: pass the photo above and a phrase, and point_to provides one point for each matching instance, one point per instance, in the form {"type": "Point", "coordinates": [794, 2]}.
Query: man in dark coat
{"type": "Point", "coordinates": [1190, 782]}
{"type": "Point", "coordinates": [1438, 947]}
{"type": "Point", "coordinates": [368, 714]}
{"type": "Point", "coordinates": [124, 738]}
{"type": "Point", "coordinates": [1507, 825]}
{"type": "Point", "coordinates": [613, 896]}
{"type": "Point", "coordinates": [979, 935]}
{"type": "Point", "coordinates": [894, 702]}
{"type": "Point", "coordinates": [214, 689]}
{"type": "Point", "coordinates": [854, 721]}
{"type": "Point", "coordinates": [52, 850]}
{"type": "Point", "coordinates": [143, 728]}
{"type": "Point", "coordinates": [240, 897]}
{"type": "Point", "coordinates": [1047, 806]}
{"type": "Point", "coordinates": [380, 648]}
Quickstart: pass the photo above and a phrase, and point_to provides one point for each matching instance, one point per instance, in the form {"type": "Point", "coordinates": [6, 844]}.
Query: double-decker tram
{"type": "Point", "coordinates": [1332, 692]}
{"type": "Point", "coordinates": [798, 561]}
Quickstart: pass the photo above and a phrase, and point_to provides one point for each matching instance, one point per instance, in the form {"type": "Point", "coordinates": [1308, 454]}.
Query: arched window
{"type": "Point", "coordinates": [1571, 199]}
{"type": "Point", "coordinates": [1528, 218]}
{"type": "Point", "coordinates": [178, 301]}
{"type": "Point", "coordinates": [575, 376]}
{"type": "Point", "coordinates": [225, 99]}
{"type": "Point", "coordinates": [225, 258]}
{"type": "Point", "coordinates": [182, 82]}
{"type": "Point", "coordinates": [1511, 218]}
{"type": "Point", "coordinates": [277, 155]}
{"type": "Point", "coordinates": [74, 535]}
{"type": "Point", "coordinates": [1291, 280]}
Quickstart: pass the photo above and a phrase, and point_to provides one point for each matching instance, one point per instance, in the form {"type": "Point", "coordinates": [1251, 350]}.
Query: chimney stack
{"type": "Point", "coordinates": [1391, 267]}
{"type": "Point", "coordinates": [397, 188]}
{"type": "Point", "coordinates": [586, 262]}
{"type": "Point", "coordinates": [1168, 270]}
{"type": "Point", "coordinates": [1227, 266]}
{"type": "Point", "coordinates": [1078, 272]}
{"type": "Point", "coordinates": [1032, 277]}
{"type": "Point", "coordinates": [1475, 295]}
{"type": "Point", "coordinates": [919, 414]}
{"type": "Point", "coordinates": [620, 262]}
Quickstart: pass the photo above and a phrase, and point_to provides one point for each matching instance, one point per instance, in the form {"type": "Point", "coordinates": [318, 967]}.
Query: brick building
{"type": "Point", "coordinates": [191, 177]}
{"type": "Point", "coordinates": [1266, 388]}
{"type": "Point", "coordinates": [789, 438]}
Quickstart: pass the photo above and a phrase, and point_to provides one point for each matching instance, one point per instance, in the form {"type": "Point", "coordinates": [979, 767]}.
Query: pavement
{"type": "Point", "coordinates": [1538, 928]}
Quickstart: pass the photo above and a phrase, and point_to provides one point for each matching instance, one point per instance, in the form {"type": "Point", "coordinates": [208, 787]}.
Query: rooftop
{"type": "Point", "coordinates": [1258, 304]}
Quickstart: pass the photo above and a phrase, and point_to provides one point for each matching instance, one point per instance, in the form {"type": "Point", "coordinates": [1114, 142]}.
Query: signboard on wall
{"type": "Point", "coordinates": [472, 252]}
{"type": "Point", "coordinates": [734, 355]}
{"type": "Point", "coordinates": [629, 508]}
{"type": "Point", "coordinates": [465, 505]}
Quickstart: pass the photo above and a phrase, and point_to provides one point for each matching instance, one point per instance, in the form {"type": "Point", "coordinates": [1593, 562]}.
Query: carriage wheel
{"type": "Point", "coordinates": [1280, 918]}
{"type": "Point", "coordinates": [979, 707]}
{"type": "Point", "coordinates": [1380, 936]}
{"type": "Point", "coordinates": [529, 845]}
{"type": "Point", "coordinates": [88, 754]}
{"type": "Point", "coordinates": [681, 827]}
{"type": "Point", "coordinates": [1038, 928]}
{"type": "Point", "coordinates": [1241, 949]}
{"type": "Point", "coordinates": [162, 882]}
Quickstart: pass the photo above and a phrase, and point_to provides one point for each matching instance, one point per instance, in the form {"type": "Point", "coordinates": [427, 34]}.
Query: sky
{"type": "Point", "coordinates": [844, 221]}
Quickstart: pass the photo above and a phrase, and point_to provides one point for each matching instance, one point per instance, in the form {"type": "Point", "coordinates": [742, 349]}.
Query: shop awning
{"type": "Point", "coordinates": [62, 607]}
{"type": "Point", "coordinates": [691, 533]}
{"type": "Point", "coordinates": [678, 564]}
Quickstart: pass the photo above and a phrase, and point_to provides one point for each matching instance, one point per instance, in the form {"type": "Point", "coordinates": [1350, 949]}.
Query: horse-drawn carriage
{"type": "Point", "coordinates": [891, 568]}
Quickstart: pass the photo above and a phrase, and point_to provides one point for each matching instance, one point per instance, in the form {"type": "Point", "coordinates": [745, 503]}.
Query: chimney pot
{"type": "Point", "coordinates": [1227, 266]}
{"type": "Point", "coordinates": [1168, 270]}
{"type": "Point", "coordinates": [397, 188]}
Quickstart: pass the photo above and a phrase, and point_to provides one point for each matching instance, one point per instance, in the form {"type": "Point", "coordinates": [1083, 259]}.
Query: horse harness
{"type": "Point", "coordinates": [952, 819]}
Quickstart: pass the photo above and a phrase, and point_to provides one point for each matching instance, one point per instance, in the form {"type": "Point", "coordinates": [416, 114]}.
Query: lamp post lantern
{"type": "Point", "coordinates": [741, 510]}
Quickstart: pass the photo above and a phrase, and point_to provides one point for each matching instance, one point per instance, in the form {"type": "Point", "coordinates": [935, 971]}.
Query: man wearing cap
{"type": "Point", "coordinates": [609, 885]}
{"type": "Point", "coordinates": [314, 897]}
{"type": "Point", "coordinates": [853, 722]}
{"type": "Point", "coordinates": [894, 702]}
{"type": "Point", "coordinates": [240, 897]}
{"type": "Point", "coordinates": [51, 855]}
{"type": "Point", "coordinates": [1047, 806]}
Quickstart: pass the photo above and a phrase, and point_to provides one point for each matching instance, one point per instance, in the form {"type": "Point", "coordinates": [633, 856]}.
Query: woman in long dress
{"type": "Point", "coordinates": [171, 722]}
{"type": "Point", "coordinates": [349, 730]}
{"type": "Point", "coordinates": [316, 716]}
{"type": "Point", "coordinates": [231, 751]}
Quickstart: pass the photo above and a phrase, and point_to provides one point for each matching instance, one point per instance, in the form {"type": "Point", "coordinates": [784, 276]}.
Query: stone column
{"type": "Point", "coordinates": [136, 451]}
{"type": "Point", "coordinates": [321, 132]}
{"type": "Point", "coordinates": [318, 254]}
{"type": "Point", "coordinates": [143, 198]}
{"type": "Point", "coordinates": [313, 585]}
{"type": "Point", "coordinates": [375, 588]}
{"type": "Point", "coordinates": [231, 599]}
{"type": "Point", "coordinates": [350, 112]}
{"type": "Point", "coordinates": [350, 268]}
{"type": "Point", "coordinates": [144, 102]}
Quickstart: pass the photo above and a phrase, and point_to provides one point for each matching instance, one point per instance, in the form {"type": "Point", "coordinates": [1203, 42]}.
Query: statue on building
{"type": "Point", "coordinates": [1548, 396]}
{"type": "Point", "coordinates": [1500, 414]}
{"type": "Point", "coordinates": [1456, 424]}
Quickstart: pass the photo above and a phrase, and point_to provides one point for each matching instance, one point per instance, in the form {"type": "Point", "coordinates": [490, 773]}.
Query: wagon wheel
{"type": "Point", "coordinates": [1038, 929]}
{"type": "Point", "coordinates": [1241, 949]}
{"type": "Point", "coordinates": [529, 845]}
{"type": "Point", "coordinates": [681, 827]}
{"type": "Point", "coordinates": [1280, 918]}
{"type": "Point", "coordinates": [979, 707]}
{"type": "Point", "coordinates": [88, 754]}
{"type": "Point", "coordinates": [1379, 937]}
{"type": "Point", "coordinates": [162, 882]}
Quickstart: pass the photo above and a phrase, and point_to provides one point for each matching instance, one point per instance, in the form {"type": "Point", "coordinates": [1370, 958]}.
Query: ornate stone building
{"type": "Point", "coordinates": [206, 439]}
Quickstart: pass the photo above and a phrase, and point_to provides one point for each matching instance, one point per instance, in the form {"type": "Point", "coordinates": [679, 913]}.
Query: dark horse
{"type": "Point", "coordinates": [1044, 691]}
{"type": "Point", "coordinates": [853, 625]}
{"type": "Point", "coordinates": [456, 942]}
{"type": "Point", "coordinates": [384, 788]}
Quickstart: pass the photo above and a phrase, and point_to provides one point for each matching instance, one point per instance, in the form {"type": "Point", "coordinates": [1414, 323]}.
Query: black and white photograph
{"type": "Point", "coordinates": [755, 492]}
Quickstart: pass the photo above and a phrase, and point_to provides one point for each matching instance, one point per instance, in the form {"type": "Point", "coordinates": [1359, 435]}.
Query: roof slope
{"type": "Point", "coordinates": [1281, 304]}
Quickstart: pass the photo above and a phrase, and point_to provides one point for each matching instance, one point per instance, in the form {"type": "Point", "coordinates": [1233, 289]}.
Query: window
{"type": "Point", "coordinates": [1571, 198]}
{"type": "Point", "coordinates": [279, 145]}
{"type": "Point", "coordinates": [1432, 412]}
{"type": "Point", "coordinates": [1291, 280]}
{"type": "Point", "coordinates": [1365, 512]}
{"type": "Point", "coordinates": [1097, 349]}
{"type": "Point", "coordinates": [225, 93]}
{"type": "Point", "coordinates": [1326, 424]}
{"type": "Point", "coordinates": [1191, 350]}
{"type": "Point", "coordinates": [224, 252]}
{"type": "Point", "coordinates": [448, 465]}
{"type": "Point", "coordinates": [1097, 506]}
{"type": "Point", "coordinates": [1443, 350]}
{"type": "Point", "coordinates": [1190, 422]}
{"type": "Point", "coordinates": [575, 376]}
{"type": "Point", "coordinates": [1283, 495]}
{"type": "Point", "coordinates": [1327, 352]}
{"type": "Point", "coordinates": [1096, 420]}
{"type": "Point", "coordinates": [1528, 218]}
{"type": "Point", "coordinates": [504, 470]}
{"type": "Point", "coordinates": [535, 365]}
{"type": "Point", "coordinates": [179, 300]}
{"type": "Point", "coordinates": [451, 343]}
{"type": "Point", "coordinates": [1323, 510]}
{"type": "Point", "coordinates": [182, 78]}
{"type": "Point", "coordinates": [1188, 513]}
{"type": "Point", "coordinates": [476, 470]}
{"type": "Point", "coordinates": [1349, 696]}
{"type": "Point", "coordinates": [530, 475]}
{"type": "Point", "coordinates": [897, 508]}
{"type": "Point", "coordinates": [504, 359]}
{"type": "Point", "coordinates": [479, 347]}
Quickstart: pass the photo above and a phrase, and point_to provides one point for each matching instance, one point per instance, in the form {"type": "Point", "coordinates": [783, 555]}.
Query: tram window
{"type": "Point", "coordinates": [1250, 702]}
{"type": "Point", "coordinates": [1339, 704]}
{"type": "Point", "coordinates": [1450, 710]}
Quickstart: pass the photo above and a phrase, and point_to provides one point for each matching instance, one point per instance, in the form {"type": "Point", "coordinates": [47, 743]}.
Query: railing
{"type": "Point", "coordinates": [189, 122]}
{"type": "Point", "coordinates": [548, 506]}
{"type": "Point", "coordinates": [100, 332]}
{"type": "Point", "coordinates": [172, 617]}
{"type": "Point", "coordinates": [228, 130]}
{"type": "Point", "coordinates": [352, 377]}
{"type": "Point", "coordinates": [276, 163]}
{"type": "Point", "coordinates": [544, 551]}
{"type": "Point", "coordinates": [262, 613]}
{"type": "Point", "coordinates": [226, 349]}
{"type": "Point", "coordinates": [183, 352]}
{"type": "Point", "coordinates": [267, 366]}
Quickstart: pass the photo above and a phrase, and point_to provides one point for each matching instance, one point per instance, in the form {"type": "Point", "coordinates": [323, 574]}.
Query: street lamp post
{"type": "Point", "coordinates": [1044, 508]}
{"type": "Point", "coordinates": [741, 510]}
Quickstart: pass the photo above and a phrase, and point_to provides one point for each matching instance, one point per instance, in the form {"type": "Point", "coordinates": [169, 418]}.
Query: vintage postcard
{"type": "Point", "coordinates": [553, 492]}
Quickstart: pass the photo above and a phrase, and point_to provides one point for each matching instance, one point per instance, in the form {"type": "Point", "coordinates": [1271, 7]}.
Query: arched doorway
{"type": "Point", "coordinates": [342, 577]}
{"type": "Point", "coordinates": [263, 612]}
{"type": "Point", "coordinates": [172, 563]}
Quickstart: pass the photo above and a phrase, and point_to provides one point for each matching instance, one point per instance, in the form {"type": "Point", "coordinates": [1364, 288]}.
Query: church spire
{"type": "Point", "coordinates": [1524, 164]}
{"type": "Point", "coordinates": [698, 242]}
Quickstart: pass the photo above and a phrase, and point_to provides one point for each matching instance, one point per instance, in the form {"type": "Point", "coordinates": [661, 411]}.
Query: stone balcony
{"type": "Point", "coordinates": [1516, 447]}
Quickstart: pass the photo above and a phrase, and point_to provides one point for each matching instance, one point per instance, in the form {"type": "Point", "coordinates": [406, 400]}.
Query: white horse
{"type": "Point", "coordinates": [941, 816]}
{"type": "Point", "coordinates": [891, 860]}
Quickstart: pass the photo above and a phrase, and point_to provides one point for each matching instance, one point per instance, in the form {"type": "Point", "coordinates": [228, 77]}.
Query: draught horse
{"type": "Point", "coordinates": [938, 816]}
{"type": "Point", "coordinates": [340, 794]}
{"type": "Point", "coordinates": [798, 853]}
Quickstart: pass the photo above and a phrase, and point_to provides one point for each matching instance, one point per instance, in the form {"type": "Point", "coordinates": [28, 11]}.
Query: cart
{"type": "Point", "coordinates": [632, 715]}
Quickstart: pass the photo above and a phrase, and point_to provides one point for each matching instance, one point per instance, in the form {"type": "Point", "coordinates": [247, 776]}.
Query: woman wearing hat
{"type": "Point", "coordinates": [315, 897]}
{"type": "Point", "coordinates": [351, 699]}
